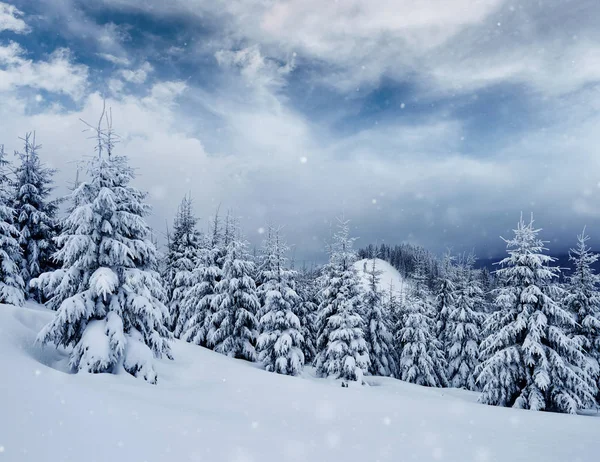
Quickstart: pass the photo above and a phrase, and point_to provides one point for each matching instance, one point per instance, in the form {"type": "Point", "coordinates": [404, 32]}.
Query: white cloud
{"type": "Point", "coordinates": [243, 143]}
{"type": "Point", "coordinates": [255, 68]}
{"type": "Point", "coordinates": [138, 75]}
{"type": "Point", "coordinates": [121, 61]}
{"type": "Point", "coordinates": [444, 47]}
{"type": "Point", "coordinates": [115, 86]}
{"type": "Point", "coordinates": [10, 19]}
{"type": "Point", "coordinates": [58, 74]}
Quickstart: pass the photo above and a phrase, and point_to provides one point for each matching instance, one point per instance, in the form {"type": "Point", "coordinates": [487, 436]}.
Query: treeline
{"type": "Point", "coordinates": [519, 337]}
{"type": "Point", "coordinates": [405, 258]}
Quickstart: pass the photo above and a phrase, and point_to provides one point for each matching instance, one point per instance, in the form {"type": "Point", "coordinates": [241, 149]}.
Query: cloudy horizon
{"type": "Point", "coordinates": [427, 122]}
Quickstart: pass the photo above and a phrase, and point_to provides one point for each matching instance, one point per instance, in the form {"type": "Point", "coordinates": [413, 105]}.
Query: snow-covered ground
{"type": "Point", "coordinates": [207, 407]}
{"type": "Point", "coordinates": [389, 275]}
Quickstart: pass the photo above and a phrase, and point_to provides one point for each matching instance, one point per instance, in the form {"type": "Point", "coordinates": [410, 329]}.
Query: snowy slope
{"type": "Point", "coordinates": [207, 407]}
{"type": "Point", "coordinates": [389, 274]}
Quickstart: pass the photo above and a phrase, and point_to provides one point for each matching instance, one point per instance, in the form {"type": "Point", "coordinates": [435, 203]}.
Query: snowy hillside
{"type": "Point", "coordinates": [209, 407]}
{"type": "Point", "coordinates": [389, 274]}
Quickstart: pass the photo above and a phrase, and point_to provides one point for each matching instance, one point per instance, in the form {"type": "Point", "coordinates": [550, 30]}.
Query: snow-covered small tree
{"type": "Point", "coordinates": [234, 326]}
{"type": "Point", "coordinates": [421, 358]}
{"type": "Point", "coordinates": [583, 302]}
{"type": "Point", "coordinates": [530, 361]}
{"type": "Point", "coordinates": [107, 297]}
{"type": "Point", "coordinates": [35, 213]}
{"type": "Point", "coordinates": [182, 257]}
{"type": "Point", "coordinates": [197, 307]}
{"type": "Point", "coordinates": [342, 349]}
{"type": "Point", "coordinates": [11, 282]}
{"type": "Point", "coordinates": [280, 341]}
{"type": "Point", "coordinates": [377, 332]}
{"type": "Point", "coordinates": [464, 324]}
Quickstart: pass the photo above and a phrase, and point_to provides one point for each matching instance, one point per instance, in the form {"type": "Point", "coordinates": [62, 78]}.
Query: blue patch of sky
{"type": "Point", "coordinates": [173, 45]}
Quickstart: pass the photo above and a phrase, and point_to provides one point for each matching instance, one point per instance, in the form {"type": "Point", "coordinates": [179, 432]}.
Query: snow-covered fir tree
{"type": "Point", "coordinates": [488, 284]}
{"type": "Point", "coordinates": [198, 307]}
{"type": "Point", "coordinates": [444, 295]}
{"type": "Point", "coordinates": [377, 329]}
{"type": "Point", "coordinates": [583, 302]}
{"type": "Point", "coordinates": [342, 349]}
{"type": "Point", "coordinates": [421, 358]}
{"type": "Point", "coordinates": [265, 264]}
{"type": "Point", "coordinates": [233, 328]}
{"type": "Point", "coordinates": [307, 290]}
{"type": "Point", "coordinates": [11, 281]}
{"type": "Point", "coordinates": [280, 341]}
{"type": "Point", "coordinates": [531, 362]}
{"type": "Point", "coordinates": [107, 297]}
{"type": "Point", "coordinates": [35, 213]}
{"type": "Point", "coordinates": [464, 324]}
{"type": "Point", "coordinates": [182, 257]}
{"type": "Point", "coordinates": [393, 306]}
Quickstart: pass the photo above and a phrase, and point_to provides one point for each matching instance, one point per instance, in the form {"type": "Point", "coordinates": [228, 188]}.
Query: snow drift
{"type": "Point", "coordinates": [210, 407]}
{"type": "Point", "coordinates": [389, 276]}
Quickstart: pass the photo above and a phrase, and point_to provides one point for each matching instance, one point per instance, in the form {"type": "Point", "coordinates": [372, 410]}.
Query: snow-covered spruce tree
{"type": "Point", "coordinates": [35, 213]}
{"type": "Point", "coordinates": [280, 341]}
{"type": "Point", "coordinates": [182, 257]}
{"type": "Point", "coordinates": [265, 265]}
{"type": "Point", "coordinates": [421, 358]}
{"type": "Point", "coordinates": [342, 349]}
{"type": "Point", "coordinates": [377, 332]}
{"type": "Point", "coordinates": [307, 290]}
{"type": "Point", "coordinates": [444, 296]}
{"type": "Point", "coordinates": [488, 284]}
{"type": "Point", "coordinates": [197, 307]}
{"type": "Point", "coordinates": [465, 320]}
{"type": "Point", "coordinates": [530, 361]}
{"type": "Point", "coordinates": [393, 307]}
{"type": "Point", "coordinates": [583, 302]}
{"type": "Point", "coordinates": [106, 296]}
{"type": "Point", "coordinates": [233, 328]}
{"type": "Point", "coordinates": [11, 282]}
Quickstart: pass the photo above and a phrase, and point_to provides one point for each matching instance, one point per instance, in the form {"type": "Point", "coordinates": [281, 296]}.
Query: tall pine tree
{"type": "Point", "coordinates": [377, 332]}
{"type": "Point", "coordinates": [233, 328]}
{"type": "Point", "coordinates": [342, 349]}
{"type": "Point", "coordinates": [421, 356]}
{"type": "Point", "coordinates": [11, 282]}
{"type": "Point", "coordinates": [444, 297]}
{"type": "Point", "coordinates": [531, 362]}
{"type": "Point", "coordinates": [182, 257]}
{"type": "Point", "coordinates": [583, 302]}
{"type": "Point", "coordinates": [35, 213]}
{"type": "Point", "coordinates": [107, 296]}
{"type": "Point", "coordinates": [464, 324]}
{"type": "Point", "coordinates": [266, 263]}
{"type": "Point", "coordinates": [280, 341]}
{"type": "Point", "coordinates": [307, 312]}
{"type": "Point", "coordinates": [197, 307]}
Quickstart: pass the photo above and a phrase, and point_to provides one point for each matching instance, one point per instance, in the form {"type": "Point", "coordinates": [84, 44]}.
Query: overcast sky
{"type": "Point", "coordinates": [432, 121]}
